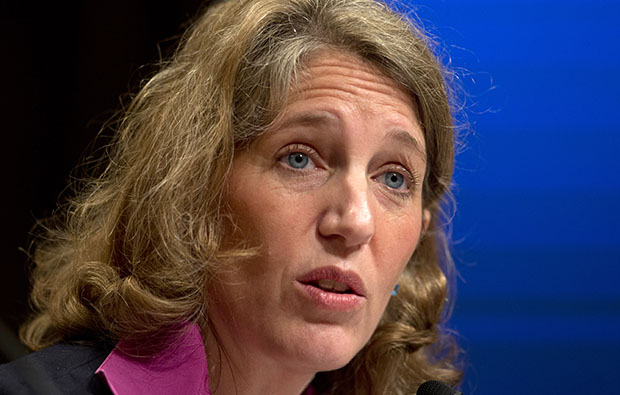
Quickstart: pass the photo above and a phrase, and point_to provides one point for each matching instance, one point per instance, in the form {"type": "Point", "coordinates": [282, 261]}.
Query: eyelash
{"type": "Point", "coordinates": [411, 177]}
{"type": "Point", "coordinates": [411, 180]}
{"type": "Point", "coordinates": [302, 148]}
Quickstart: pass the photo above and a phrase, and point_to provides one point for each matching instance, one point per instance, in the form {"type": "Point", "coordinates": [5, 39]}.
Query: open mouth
{"type": "Point", "coordinates": [328, 285]}
{"type": "Point", "coordinates": [333, 289]}
{"type": "Point", "coordinates": [331, 280]}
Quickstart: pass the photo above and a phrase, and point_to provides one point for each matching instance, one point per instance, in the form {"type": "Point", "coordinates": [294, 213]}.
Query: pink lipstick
{"type": "Point", "coordinates": [333, 289]}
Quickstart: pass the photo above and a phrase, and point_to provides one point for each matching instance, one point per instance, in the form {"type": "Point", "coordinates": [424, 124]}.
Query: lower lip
{"type": "Point", "coordinates": [331, 300]}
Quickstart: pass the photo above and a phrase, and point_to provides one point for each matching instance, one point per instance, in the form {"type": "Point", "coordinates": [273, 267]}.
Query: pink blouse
{"type": "Point", "coordinates": [178, 369]}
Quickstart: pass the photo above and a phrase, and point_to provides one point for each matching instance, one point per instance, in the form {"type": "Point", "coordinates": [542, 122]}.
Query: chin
{"type": "Point", "coordinates": [325, 363]}
{"type": "Point", "coordinates": [329, 351]}
{"type": "Point", "coordinates": [336, 364]}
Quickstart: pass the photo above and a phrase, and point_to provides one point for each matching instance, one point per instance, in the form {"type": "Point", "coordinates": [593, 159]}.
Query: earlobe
{"type": "Point", "coordinates": [426, 220]}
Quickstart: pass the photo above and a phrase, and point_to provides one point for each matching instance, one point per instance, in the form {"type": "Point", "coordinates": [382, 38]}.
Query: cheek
{"type": "Point", "coordinates": [266, 216]}
{"type": "Point", "coordinates": [396, 243]}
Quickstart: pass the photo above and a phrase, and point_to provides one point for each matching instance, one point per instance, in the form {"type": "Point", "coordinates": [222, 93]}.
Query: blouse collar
{"type": "Point", "coordinates": [179, 368]}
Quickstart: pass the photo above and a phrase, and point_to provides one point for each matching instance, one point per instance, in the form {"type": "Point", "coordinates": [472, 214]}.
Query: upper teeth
{"type": "Point", "coordinates": [331, 285]}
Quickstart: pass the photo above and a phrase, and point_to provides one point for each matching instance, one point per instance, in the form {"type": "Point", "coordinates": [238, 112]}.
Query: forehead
{"type": "Point", "coordinates": [353, 77]}
{"type": "Point", "coordinates": [333, 85]}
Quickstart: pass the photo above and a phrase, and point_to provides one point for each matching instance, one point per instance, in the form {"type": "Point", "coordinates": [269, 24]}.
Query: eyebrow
{"type": "Point", "coordinates": [325, 117]}
{"type": "Point", "coordinates": [408, 140]}
{"type": "Point", "coordinates": [310, 118]}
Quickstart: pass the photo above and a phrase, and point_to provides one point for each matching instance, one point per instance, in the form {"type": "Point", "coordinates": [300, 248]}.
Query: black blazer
{"type": "Point", "coordinates": [59, 369]}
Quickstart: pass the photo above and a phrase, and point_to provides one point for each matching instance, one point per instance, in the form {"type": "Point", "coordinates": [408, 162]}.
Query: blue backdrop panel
{"type": "Point", "coordinates": [538, 190]}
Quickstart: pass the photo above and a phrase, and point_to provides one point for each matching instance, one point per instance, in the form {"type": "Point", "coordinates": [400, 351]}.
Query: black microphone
{"type": "Point", "coordinates": [434, 387]}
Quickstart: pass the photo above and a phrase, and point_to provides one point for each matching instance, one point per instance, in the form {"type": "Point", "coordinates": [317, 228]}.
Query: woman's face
{"type": "Point", "coordinates": [332, 196]}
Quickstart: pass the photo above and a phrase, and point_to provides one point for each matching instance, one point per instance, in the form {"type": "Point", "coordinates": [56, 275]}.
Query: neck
{"type": "Point", "coordinates": [236, 371]}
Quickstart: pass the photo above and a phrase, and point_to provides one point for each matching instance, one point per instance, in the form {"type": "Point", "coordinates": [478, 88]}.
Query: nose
{"type": "Point", "coordinates": [348, 215]}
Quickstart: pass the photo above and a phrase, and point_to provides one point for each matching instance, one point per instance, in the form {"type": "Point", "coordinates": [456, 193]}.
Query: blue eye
{"type": "Point", "coordinates": [298, 160]}
{"type": "Point", "coordinates": [394, 180]}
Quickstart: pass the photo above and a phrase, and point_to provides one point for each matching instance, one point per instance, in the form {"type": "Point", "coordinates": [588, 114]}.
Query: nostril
{"type": "Point", "coordinates": [348, 216]}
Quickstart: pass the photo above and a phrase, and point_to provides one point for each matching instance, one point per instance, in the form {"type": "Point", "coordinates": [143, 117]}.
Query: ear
{"type": "Point", "coordinates": [426, 220]}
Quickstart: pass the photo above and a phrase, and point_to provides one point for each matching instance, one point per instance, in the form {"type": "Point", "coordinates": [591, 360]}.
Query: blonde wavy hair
{"type": "Point", "coordinates": [133, 253]}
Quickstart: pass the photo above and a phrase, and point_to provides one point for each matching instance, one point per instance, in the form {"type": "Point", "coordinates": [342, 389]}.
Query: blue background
{"type": "Point", "coordinates": [537, 245]}
{"type": "Point", "coordinates": [537, 190]}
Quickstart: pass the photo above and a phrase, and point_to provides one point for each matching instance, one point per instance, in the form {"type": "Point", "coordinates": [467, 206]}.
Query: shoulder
{"type": "Point", "coordinates": [62, 368]}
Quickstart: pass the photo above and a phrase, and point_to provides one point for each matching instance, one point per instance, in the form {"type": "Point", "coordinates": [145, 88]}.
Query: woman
{"type": "Point", "coordinates": [269, 210]}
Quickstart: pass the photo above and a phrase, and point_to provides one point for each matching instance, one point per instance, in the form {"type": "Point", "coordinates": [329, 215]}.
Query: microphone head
{"type": "Point", "coordinates": [434, 387]}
